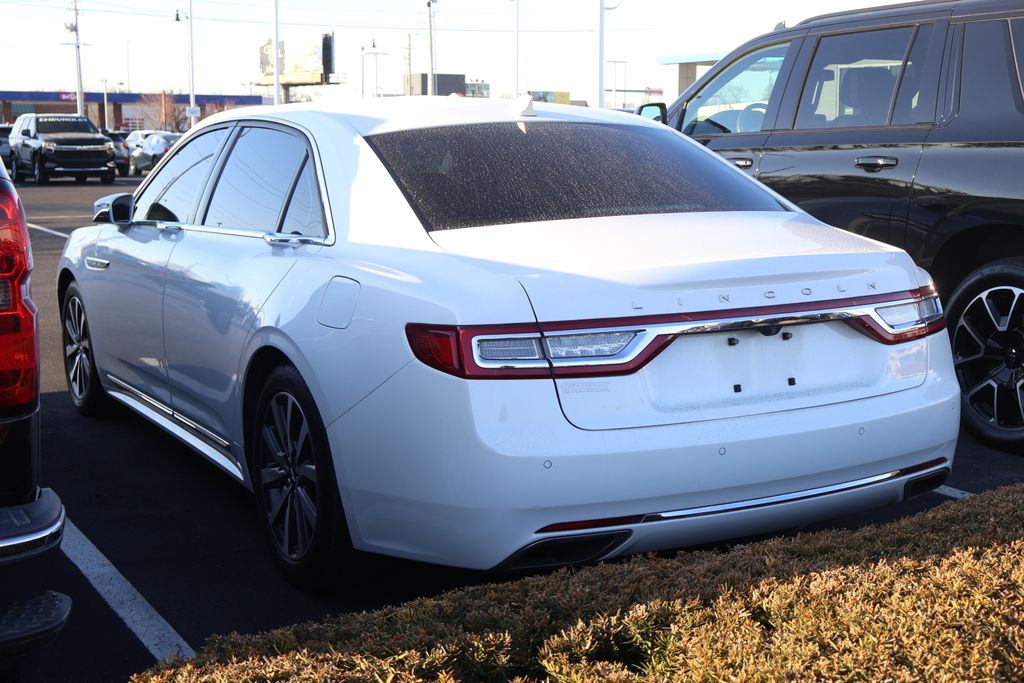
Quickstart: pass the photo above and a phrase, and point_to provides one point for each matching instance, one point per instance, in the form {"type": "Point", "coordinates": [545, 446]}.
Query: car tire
{"type": "Point", "coordinates": [15, 171]}
{"type": "Point", "coordinates": [295, 484]}
{"type": "Point", "coordinates": [122, 171]}
{"type": "Point", "coordinates": [108, 178]}
{"type": "Point", "coordinates": [80, 371]}
{"type": "Point", "coordinates": [986, 328]}
{"type": "Point", "coordinates": [80, 179]}
{"type": "Point", "coordinates": [133, 170]}
{"type": "Point", "coordinates": [39, 171]}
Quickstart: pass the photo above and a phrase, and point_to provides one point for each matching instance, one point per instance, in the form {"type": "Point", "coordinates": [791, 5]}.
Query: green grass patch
{"type": "Point", "coordinates": [934, 597]}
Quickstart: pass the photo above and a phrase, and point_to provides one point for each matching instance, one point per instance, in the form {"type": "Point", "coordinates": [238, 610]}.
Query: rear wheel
{"type": "Point", "coordinates": [79, 365]}
{"type": "Point", "coordinates": [986, 319]}
{"type": "Point", "coordinates": [295, 484]}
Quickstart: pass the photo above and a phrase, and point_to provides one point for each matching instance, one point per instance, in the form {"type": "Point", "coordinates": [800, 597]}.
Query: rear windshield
{"type": "Point", "coordinates": [65, 124]}
{"type": "Point", "coordinates": [520, 172]}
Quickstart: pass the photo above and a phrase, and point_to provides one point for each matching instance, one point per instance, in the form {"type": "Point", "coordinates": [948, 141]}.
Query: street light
{"type": "Point", "coordinates": [192, 113]}
{"type": "Point", "coordinates": [515, 94]}
{"type": "Point", "coordinates": [432, 81]}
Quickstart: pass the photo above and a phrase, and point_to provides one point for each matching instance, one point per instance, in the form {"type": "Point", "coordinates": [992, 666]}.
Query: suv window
{"type": "Point", "coordinates": [171, 193]}
{"type": "Point", "coordinates": [852, 79]}
{"type": "Point", "coordinates": [517, 172]}
{"type": "Point", "coordinates": [305, 215]}
{"type": "Point", "coordinates": [735, 101]}
{"type": "Point", "coordinates": [64, 124]}
{"type": "Point", "coordinates": [254, 184]}
{"type": "Point", "coordinates": [1017, 29]}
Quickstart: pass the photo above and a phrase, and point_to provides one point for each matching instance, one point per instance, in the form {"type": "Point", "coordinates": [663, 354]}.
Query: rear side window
{"type": "Point", "coordinates": [853, 78]}
{"type": "Point", "coordinates": [256, 179]}
{"type": "Point", "coordinates": [305, 214]}
{"type": "Point", "coordinates": [170, 195]}
{"type": "Point", "coordinates": [1017, 29]}
{"type": "Point", "coordinates": [519, 172]}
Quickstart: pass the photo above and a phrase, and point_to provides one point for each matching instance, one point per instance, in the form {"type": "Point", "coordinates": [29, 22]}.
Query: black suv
{"type": "Point", "coordinates": [904, 124]}
{"type": "Point", "coordinates": [48, 145]}
{"type": "Point", "coordinates": [31, 518]}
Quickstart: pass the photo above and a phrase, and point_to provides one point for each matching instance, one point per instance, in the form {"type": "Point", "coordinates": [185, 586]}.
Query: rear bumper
{"type": "Point", "coordinates": [30, 535]}
{"type": "Point", "coordinates": [477, 469]}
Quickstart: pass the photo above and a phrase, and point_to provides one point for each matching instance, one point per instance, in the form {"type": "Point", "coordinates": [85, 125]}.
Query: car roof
{"type": "Point", "coordinates": [958, 8]}
{"type": "Point", "coordinates": [391, 114]}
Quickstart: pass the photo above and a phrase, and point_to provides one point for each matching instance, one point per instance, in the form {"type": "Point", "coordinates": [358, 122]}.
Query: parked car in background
{"type": "Point", "coordinates": [408, 344]}
{"type": "Point", "coordinates": [136, 138]}
{"type": "Point", "coordinates": [5, 146]}
{"type": "Point", "coordinates": [50, 145]}
{"type": "Point", "coordinates": [153, 148]}
{"type": "Point", "coordinates": [31, 518]}
{"type": "Point", "coordinates": [904, 124]}
{"type": "Point", "coordinates": [121, 153]}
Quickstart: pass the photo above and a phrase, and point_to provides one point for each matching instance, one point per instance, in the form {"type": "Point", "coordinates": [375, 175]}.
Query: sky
{"type": "Point", "coordinates": [137, 45]}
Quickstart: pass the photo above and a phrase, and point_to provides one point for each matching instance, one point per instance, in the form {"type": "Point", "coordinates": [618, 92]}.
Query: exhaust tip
{"type": "Point", "coordinates": [924, 484]}
{"type": "Point", "coordinates": [564, 550]}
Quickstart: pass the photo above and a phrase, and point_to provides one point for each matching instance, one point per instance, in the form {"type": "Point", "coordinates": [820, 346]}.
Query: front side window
{"type": "Point", "coordinates": [852, 79]}
{"type": "Point", "coordinates": [170, 194]}
{"type": "Point", "coordinates": [257, 176]}
{"type": "Point", "coordinates": [736, 100]}
{"type": "Point", "coordinates": [517, 172]}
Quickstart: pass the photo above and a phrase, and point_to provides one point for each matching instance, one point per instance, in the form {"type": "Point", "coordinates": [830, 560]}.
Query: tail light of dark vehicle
{"type": "Point", "coordinates": [19, 381]}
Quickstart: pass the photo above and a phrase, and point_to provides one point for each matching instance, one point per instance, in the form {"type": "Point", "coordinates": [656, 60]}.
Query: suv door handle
{"type": "Point", "coordinates": [874, 164]}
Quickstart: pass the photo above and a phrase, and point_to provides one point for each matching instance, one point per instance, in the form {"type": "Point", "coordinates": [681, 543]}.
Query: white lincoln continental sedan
{"type": "Point", "coordinates": [504, 337]}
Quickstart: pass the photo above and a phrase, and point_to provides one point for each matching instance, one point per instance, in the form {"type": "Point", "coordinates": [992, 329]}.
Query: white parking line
{"type": "Point", "coordinates": [58, 233]}
{"type": "Point", "coordinates": [951, 492]}
{"type": "Point", "coordinates": [149, 627]}
{"type": "Point", "coordinates": [54, 218]}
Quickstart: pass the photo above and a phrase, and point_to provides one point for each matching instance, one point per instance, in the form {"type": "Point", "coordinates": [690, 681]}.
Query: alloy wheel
{"type": "Point", "coordinates": [988, 352]}
{"type": "Point", "coordinates": [77, 363]}
{"type": "Point", "coordinates": [288, 476]}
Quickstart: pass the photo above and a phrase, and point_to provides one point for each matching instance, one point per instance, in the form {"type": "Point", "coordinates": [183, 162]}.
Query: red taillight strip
{"type": "Point", "coordinates": [19, 348]}
{"type": "Point", "coordinates": [654, 334]}
{"type": "Point", "coordinates": [743, 505]}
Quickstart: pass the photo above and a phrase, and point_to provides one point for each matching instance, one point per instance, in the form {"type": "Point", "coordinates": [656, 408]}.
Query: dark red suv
{"type": "Point", "coordinates": [31, 517]}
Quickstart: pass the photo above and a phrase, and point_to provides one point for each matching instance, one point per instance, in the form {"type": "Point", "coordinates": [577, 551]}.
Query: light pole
{"type": "Point", "coordinates": [600, 54]}
{"type": "Point", "coordinates": [615, 79]}
{"type": "Point", "coordinates": [432, 79]}
{"type": "Point", "coordinates": [73, 28]}
{"type": "Point", "coordinates": [516, 93]}
{"type": "Point", "coordinates": [277, 60]}
{"type": "Point", "coordinates": [106, 119]}
{"type": "Point", "coordinates": [376, 54]}
{"type": "Point", "coordinates": [362, 66]}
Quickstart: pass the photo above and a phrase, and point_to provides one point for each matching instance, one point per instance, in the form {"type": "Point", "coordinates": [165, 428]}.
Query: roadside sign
{"type": "Point", "coordinates": [192, 112]}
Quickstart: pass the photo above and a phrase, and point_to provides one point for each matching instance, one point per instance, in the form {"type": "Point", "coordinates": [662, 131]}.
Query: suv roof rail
{"type": "Point", "coordinates": [924, 4]}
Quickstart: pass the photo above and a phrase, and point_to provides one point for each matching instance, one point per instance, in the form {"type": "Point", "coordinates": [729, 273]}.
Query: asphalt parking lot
{"type": "Point", "coordinates": [165, 550]}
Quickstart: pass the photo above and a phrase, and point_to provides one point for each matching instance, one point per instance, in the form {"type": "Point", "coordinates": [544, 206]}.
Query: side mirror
{"type": "Point", "coordinates": [114, 208]}
{"type": "Point", "coordinates": [26, 132]}
{"type": "Point", "coordinates": [656, 111]}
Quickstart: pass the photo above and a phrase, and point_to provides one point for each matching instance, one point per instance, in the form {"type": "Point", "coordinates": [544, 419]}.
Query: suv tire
{"type": "Point", "coordinates": [39, 171]}
{"type": "Point", "coordinates": [986, 329]}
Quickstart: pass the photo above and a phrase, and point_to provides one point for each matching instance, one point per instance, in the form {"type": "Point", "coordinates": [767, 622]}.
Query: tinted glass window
{"type": "Point", "coordinates": [989, 87]}
{"type": "Point", "coordinates": [171, 193]}
{"type": "Point", "coordinates": [517, 172]}
{"type": "Point", "coordinates": [255, 181]}
{"type": "Point", "coordinates": [852, 79]}
{"type": "Point", "coordinates": [736, 100]}
{"type": "Point", "coordinates": [65, 124]}
{"type": "Point", "coordinates": [915, 102]}
{"type": "Point", "coordinates": [305, 216]}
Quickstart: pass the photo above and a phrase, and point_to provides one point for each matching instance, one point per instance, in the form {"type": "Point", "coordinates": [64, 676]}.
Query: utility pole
{"type": "Point", "coordinates": [408, 65]}
{"type": "Point", "coordinates": [105, 119]}
{"type": "Point", "coordinates": [277, 57]}
{"type": "Point", "coordinates": [432, 78]}
{"type": "Point", "coordinates": [73, 28]}
{"type": "Point", "coordinates": [515, 95]}
{"type": "Point", "coordinates": [600, 54]}
{"type": "Point", "coordinates": [191, 73]}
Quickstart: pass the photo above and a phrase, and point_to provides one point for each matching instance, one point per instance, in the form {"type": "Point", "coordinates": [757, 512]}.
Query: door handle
{"type": "Point", "coordinates": [743, 162]}
{"type": "Point", "coordinates": [168, 227]}
{"type": "Point", "coordinates": [286, 240]}
{"type": "Point", "coordinates": [875, 164]}
{"type": "Point", "coordinates": [93, 263]}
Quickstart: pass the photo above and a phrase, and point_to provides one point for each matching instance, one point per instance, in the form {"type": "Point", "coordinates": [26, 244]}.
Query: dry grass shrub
{"type": "Point", "coordinates": [934, 597]}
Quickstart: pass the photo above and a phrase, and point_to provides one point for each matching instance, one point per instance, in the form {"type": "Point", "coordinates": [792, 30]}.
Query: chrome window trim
{"type": "Point", "coordinates": [645, 334]}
